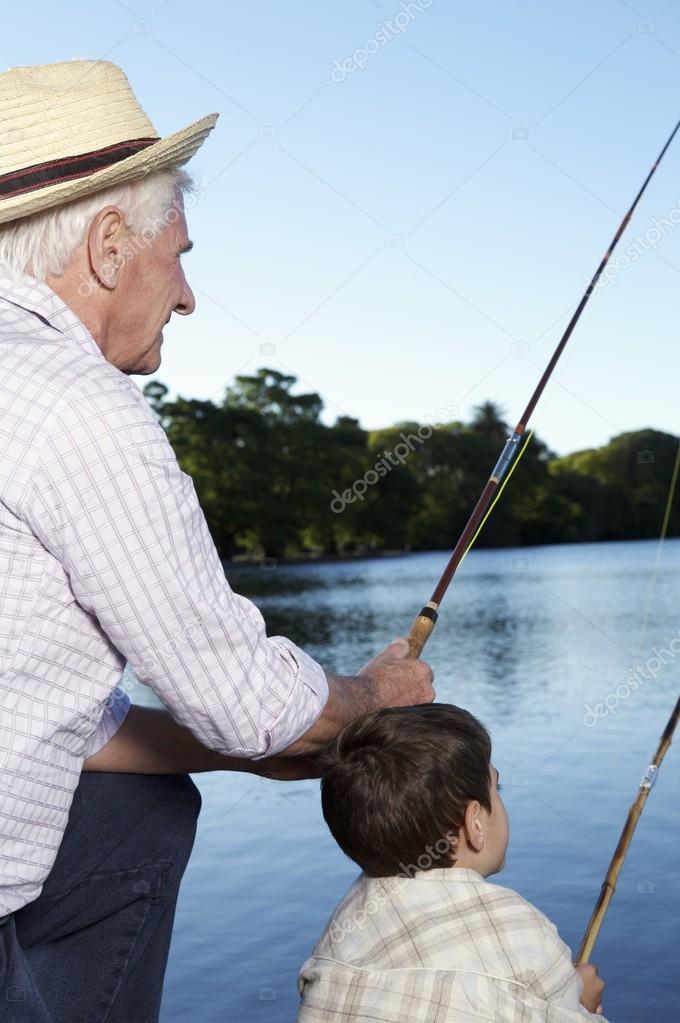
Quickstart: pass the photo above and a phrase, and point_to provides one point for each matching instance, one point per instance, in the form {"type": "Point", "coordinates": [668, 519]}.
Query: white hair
{"type": "Point", "coordinates": [44, 243]}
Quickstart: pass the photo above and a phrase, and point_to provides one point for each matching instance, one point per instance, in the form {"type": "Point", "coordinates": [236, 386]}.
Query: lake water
{"type": "Point", "coordinates": [527, 640]}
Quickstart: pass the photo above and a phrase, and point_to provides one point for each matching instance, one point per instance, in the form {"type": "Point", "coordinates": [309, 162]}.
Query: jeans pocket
{"type": "Point", "coordinates": [98, 897]}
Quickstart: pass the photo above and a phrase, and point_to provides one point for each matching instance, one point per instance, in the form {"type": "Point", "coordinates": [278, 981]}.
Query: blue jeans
{"type": "Point", "coordinates": [93, 947]}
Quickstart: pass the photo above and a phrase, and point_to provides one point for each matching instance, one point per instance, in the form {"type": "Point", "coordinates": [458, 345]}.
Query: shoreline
{"type": "Point", "coordinates": [265, 562]}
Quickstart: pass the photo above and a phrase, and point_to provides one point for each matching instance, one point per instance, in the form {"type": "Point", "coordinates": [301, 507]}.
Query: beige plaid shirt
{"type": "Point", "coordinates": [444, 945]}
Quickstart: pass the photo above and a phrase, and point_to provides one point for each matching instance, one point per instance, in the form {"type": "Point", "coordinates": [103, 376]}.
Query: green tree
{"type": "Point", "coordinates": [272, 478]}
{"type": "Point", "coordinates": [627, 485]}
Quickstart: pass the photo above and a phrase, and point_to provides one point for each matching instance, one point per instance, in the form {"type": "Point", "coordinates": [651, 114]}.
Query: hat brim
{"type": "Point", "coordinates": [172, 151]}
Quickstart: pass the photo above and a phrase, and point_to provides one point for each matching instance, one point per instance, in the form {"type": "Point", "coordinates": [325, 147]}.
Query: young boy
{"type": "Point", "coordinates": [411, 796]}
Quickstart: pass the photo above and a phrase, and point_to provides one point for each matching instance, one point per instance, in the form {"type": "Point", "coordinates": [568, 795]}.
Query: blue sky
{"type": "Point", "coordinates": [410, 236]}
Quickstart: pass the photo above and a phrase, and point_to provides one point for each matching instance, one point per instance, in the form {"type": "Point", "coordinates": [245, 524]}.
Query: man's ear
{"type": "Point", "coordinates": [106, 238]}
{"type": "Point", "coordinates": [474, 826]}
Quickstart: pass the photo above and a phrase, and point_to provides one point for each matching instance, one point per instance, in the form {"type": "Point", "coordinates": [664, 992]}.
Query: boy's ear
{"type": "Point", "coordinates": [474, 826]}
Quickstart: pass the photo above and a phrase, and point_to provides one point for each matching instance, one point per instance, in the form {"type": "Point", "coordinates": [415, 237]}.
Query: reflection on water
{"type": "Point", "coordinates": [527, 640]}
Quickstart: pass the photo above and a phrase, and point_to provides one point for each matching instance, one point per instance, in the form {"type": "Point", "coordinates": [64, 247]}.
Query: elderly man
{"type": "Point", "coordinates": [105, 557]}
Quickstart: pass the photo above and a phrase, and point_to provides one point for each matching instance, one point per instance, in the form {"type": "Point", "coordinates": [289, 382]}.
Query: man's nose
{"type": "Point", "coordinates": [187, 302]}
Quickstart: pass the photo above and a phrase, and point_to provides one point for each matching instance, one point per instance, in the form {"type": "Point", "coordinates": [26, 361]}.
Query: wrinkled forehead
{"type": "Point", "coordinates": [179, 212]}
{"type": "Point", "coordinates": [173, 226]}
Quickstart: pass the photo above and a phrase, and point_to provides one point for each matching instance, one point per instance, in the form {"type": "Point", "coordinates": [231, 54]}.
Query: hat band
{"type": "Point", "coordinates": [29, 179]}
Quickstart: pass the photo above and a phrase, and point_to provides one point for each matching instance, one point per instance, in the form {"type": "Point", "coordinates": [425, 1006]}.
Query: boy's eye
{"type": "Point", "coordinates": [499, 787]}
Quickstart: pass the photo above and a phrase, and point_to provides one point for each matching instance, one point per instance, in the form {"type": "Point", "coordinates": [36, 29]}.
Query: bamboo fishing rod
{"type": "Point", "coordinates": [612, 876]}
{"type": "Point", "coordinates": [425, 620]}
{"type": "Point", "coordinates": [648, 778]}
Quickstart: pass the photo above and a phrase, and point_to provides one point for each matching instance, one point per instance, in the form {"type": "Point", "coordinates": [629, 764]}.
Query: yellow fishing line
{"type": "Point", "coordinates": [500, 491]}
{"type": "Point", "coordinates": [671, 493]}
{"type": "Point", "coordinates": [659, 548]}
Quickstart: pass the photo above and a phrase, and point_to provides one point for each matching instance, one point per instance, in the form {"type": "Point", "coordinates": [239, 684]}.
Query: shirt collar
{"type": "Point", "coordinates": [37, 297]}
{"type": "Point", "coordinates": [449, 874]}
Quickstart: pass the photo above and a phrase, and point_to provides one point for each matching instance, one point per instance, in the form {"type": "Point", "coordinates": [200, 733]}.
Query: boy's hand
{"type": "Point", "coordinates": [593, 986]}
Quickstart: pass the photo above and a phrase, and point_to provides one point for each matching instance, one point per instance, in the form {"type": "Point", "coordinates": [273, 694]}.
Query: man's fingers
{"type": "Point", "coordinates": [428, 693]}
{"type": "Point", "coordinates": [397, 679]}
{"type": "Point", "coordinates": [412, 686]}
{"type": "Point", "coordinates": [397, 650]}
{"type": "Point", "coordinates": [429, 674]}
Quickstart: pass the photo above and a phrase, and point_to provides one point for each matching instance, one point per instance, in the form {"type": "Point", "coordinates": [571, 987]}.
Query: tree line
{"type": "Point", "coordinates": [273, 480]}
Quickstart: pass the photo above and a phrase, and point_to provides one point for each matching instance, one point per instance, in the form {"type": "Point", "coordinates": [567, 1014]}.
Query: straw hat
{"type": "Point", "coordinates": [73, 128]}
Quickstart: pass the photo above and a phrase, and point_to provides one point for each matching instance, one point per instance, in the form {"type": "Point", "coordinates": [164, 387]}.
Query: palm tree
{"type": "Point", "coordinates": [488, 421]}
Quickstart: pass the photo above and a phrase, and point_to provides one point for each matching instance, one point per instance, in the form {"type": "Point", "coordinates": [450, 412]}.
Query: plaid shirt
{"type": "Point", "coordinates": [442, 946]}
{"type": "Point", "coordinates": [106, 557]}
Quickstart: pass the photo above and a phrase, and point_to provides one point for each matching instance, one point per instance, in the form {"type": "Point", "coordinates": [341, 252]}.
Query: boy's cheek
{"type": "Point", "coordinates": [506, 832]}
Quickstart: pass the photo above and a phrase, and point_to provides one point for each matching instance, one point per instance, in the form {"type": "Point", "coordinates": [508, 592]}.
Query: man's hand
{"type": "Point", "coordinates": [395, 679]}
{"type": "Point", "coordinates": [593, 986]}
{"type": "Point", "coordinates": [392, 679]}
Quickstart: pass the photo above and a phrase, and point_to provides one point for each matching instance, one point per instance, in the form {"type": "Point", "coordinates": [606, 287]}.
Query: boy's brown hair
{"type": "Point", "coordinates": [396, 783]}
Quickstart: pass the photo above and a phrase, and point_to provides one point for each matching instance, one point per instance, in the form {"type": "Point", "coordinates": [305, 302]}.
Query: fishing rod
{"type": "Point", "coordinates": [646, 783]}
{"type": "Point", "coordinates": [425, 620]}
{"type": "Point", "coordinates": [612, 876]}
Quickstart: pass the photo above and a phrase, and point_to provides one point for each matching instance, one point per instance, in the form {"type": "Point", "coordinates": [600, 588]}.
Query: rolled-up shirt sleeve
{"type": "Point", "coordinates": [108, 499]}
{"type": "Point", "coordinates": [115, 712]}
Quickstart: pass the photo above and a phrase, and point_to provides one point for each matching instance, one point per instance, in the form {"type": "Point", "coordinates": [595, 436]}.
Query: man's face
{"type": "Point", "coordinates": [152, 286]}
